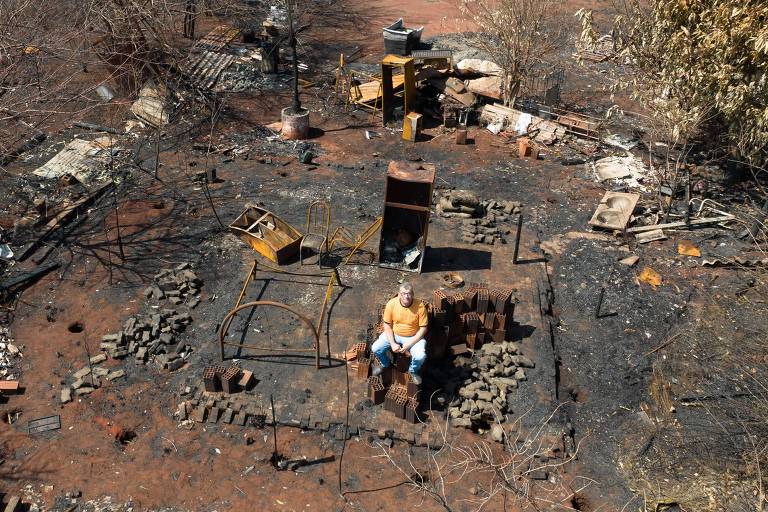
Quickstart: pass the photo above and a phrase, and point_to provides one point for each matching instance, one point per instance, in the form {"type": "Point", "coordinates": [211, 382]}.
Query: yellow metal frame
{"type": "Point", "coordinates": [388, 65]}
{"type": "Point", "coordinates": [388, 82]}
{"type": "Point", "coordinates": [333, 280]}
{"type": "Point", "coordinates": [343, 237]}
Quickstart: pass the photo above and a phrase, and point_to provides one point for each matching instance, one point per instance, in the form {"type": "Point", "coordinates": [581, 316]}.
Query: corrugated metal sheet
{"type": "Point", "coordinates": [203, 69]}
{"type": "Point", "coordinates": [217, 38]}
{"type": "Point", "coordinates": [80, 158]}
{"type": "Point", "coordinates": [432, 54]}
{"type": "Point", "coordinates": [152, 105]}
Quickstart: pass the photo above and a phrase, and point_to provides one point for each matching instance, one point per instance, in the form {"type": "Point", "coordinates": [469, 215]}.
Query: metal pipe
{"type": "Point", "coordinates": [242, 293]}
{"type": "Point", "coordinates": [599, 302]}
{"type": "Point", "coordinates": [304, 319]}
{"type": "Point", "coordinates": [517, 237]}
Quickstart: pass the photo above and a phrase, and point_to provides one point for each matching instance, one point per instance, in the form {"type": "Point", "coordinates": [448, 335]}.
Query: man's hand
{"type": "Point", "coordinates": [410, 342]}
{"type": "Point", "coordinates": [395, 347]}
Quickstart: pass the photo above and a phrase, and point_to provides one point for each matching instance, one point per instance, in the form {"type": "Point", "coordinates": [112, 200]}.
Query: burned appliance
{"type": "Point", "coordinates": [399, 40]}
{"type": "Point", "coordinates": [407, 201]}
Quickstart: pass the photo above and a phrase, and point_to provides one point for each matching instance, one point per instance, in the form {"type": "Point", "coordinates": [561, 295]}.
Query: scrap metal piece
{"type": "Point", "coordinates": [44, 424]}
{"type": "Point", "coordinates": [218, 38]}
{"type": "Point", "coordinates": [400, 40]}
{"type": "Point", "coordinates": [203, 69]}
{"type": "Point", "coordinates": [80, 158]}
{"type": "Point", "coordinates": [738, 261]}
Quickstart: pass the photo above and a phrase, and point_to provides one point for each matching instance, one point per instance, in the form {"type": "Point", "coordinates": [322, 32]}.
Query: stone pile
{"type": "Point", "coordinates": [486, 383]}
{"type": "Point", "coordinates": [487, 230]}
{"type": "Point", "coordinates": [151, 337]}
{"type": "Point", "coordinates": [482, 221]}
{"type": "Point", "coordinates": [178, 285]}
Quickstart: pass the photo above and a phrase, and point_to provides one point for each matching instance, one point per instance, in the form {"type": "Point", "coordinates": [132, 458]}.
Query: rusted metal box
{"type": "Point", "coordinates": [267, 234]}
{"type": "Point", "coordinates": [405, 220]}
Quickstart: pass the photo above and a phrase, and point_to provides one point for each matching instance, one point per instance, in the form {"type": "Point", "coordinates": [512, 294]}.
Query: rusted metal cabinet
{"type": "Point", "coordinates": [405, 220]}
{"type": "Point", "coordinates": [267, 234]}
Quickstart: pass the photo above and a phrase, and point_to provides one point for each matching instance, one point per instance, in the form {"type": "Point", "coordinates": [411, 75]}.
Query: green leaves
{"type": "Point", "coordinates": [697, 61]}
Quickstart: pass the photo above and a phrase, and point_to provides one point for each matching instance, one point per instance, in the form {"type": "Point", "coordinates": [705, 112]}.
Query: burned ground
{"type": "Point", "coordinates": [641, 396]}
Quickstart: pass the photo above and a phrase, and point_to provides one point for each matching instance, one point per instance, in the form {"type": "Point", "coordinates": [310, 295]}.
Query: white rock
{"type": "Point", "coordinates": [478, 67]}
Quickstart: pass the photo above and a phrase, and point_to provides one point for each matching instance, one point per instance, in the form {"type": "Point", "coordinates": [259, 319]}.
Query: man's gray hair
{"type": "Point", "coordinates": [406, 286]}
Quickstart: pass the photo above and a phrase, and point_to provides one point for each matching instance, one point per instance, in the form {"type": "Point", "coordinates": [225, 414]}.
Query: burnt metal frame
{"type": "Point", "coordinates": [342, 236]}
{"type": "Point", "coordinates": [333, 279]}
{"type": "Point", "coordinates": [318, 227]}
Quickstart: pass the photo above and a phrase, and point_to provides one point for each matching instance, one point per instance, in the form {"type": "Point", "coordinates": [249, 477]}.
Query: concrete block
{"type": "Point", "coordinates": [100, 372]}
{"type": "Point", "coordinates": [116, 374]}
{"type": "Point", "coordinates": [66, 395]}
{"type": "Point", "coordinates": [198, 414]}
{"type": "Point", "coordinates": [82, 372]}
{"type": "Point", "coordinates": [119, 354]}
{"type": "Point", "coordinates": [98, 358]}
{"type": "Point", "coordinates": [85, 390]}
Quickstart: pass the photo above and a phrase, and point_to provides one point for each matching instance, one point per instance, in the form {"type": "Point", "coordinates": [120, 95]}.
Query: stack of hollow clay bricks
{"type": "Point", "coordinates": [229, 380]}
{"type": "Point", "coordinates": [393, 387]}
{"type": "Point", "coordinates": [468, 319]}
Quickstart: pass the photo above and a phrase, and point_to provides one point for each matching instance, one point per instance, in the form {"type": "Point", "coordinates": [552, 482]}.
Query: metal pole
{"type": "Point", "coordinates": [517, 237]}
{"type": "Point", "coordinates": [296, 105]}
{"type": "Point", "coordinates": [599, 302]}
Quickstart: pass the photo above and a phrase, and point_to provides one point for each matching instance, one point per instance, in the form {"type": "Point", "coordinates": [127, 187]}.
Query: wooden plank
{"type": "Point", "coordinates": [27, 277]}
{"type": "Point", "coordinates": [371, 91]}
{"type": "Point", "coordinates": [13, 504]}
{"type": "Point", "coordinates": [61, 218]}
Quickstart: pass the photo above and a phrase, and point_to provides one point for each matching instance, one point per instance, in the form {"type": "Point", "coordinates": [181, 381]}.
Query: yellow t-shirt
{"type": "Point", "coordinates": [405, 321]}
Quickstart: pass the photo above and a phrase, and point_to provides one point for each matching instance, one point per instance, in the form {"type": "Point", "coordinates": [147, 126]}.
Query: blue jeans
{"type": "Point", "coordinates": [418, 351]}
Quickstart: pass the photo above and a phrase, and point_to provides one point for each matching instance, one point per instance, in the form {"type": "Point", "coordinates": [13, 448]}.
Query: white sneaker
{"type": "Point", "coordinates": [377, 371]}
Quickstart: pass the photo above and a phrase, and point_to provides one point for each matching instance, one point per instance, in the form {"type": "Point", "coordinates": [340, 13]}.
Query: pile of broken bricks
{"type": "Point", "coordinates": [480, 219]}
{"type": "Point", "coordinates": [153, 337]}
{"type": "Point", "coordinates": [178, 285]}
{"type": "Point", "coordinates": [485, 383]}
{"type": "Point", "coordinates": [486, 230]}
{"type": "Point", "coordinates": [212, 403]}
{"type": "Point", "coordinates": [89, 378]}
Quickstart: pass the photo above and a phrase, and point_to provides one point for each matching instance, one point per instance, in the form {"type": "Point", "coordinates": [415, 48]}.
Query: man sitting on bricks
{"type": "Point", "coordinates": [405, 324]}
